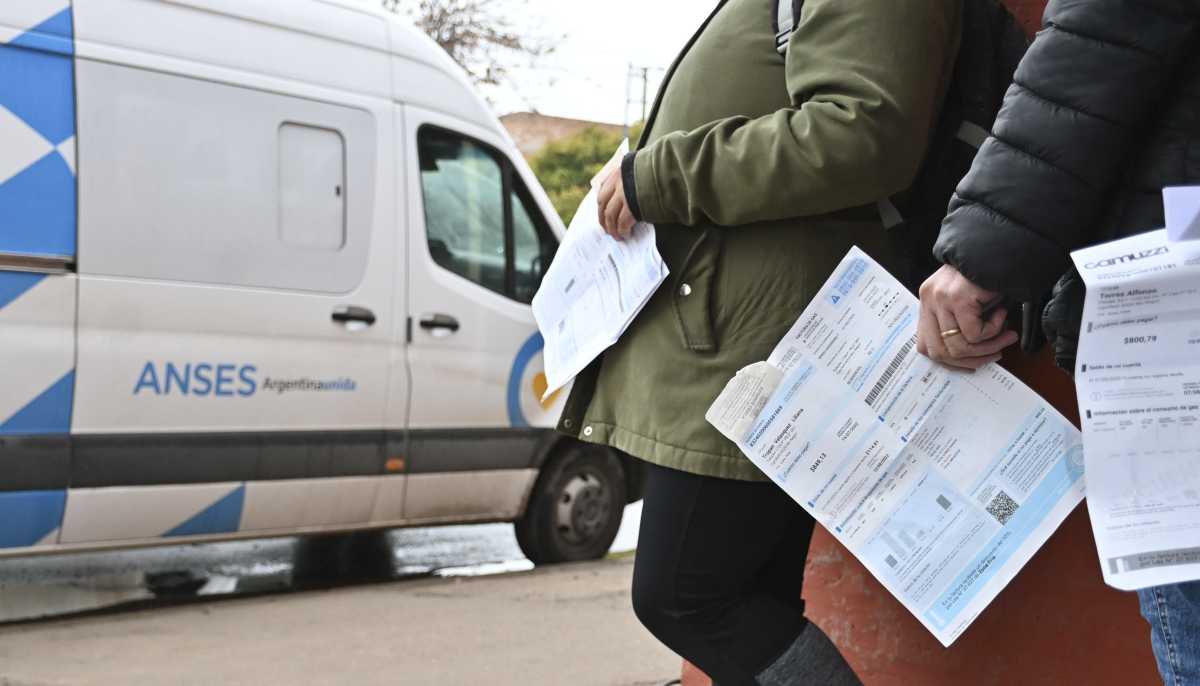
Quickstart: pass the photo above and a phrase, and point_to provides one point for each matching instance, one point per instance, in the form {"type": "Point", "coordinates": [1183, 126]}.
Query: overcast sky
{"type": "Point", "coordinates": [585, 77]}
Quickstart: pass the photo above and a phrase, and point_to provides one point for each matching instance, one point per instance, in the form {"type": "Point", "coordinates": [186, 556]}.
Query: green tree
{"type": "Point", "coordinates": [566, 166]}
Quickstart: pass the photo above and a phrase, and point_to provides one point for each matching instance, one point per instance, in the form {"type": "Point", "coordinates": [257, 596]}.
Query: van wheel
{"type": "Point", "coordinates": [575, 509]}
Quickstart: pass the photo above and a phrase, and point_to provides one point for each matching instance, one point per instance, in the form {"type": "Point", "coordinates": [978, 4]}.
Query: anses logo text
{"type": "Point", "coordinates": [197, 379]}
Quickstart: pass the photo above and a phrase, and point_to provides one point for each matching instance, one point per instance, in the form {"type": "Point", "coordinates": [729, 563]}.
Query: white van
{"type": "Point", "coordinates": [265, 268]}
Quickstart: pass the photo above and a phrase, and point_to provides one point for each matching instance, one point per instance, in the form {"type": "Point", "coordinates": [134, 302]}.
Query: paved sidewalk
{"type": "Point", "coordinates": [564, 625]}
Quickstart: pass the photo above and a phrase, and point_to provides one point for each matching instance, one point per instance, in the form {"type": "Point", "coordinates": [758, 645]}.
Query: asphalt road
{"type": "Point", "coordinates": [564, 624]}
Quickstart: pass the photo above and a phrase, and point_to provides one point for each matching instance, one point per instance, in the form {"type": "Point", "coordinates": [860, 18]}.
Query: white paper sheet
{"type": "Point", "coordinates": [593, 290]}
{"type": "Point", "coordinates": [942, 483]}
{"type": "Point", "coordinates": [1182, 208]}
{"type": "Point", "coordinates": [1138, 378]}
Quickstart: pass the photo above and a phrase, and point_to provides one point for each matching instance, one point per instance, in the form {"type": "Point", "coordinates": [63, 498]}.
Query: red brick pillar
{"type": "Point", "coordinates": [1056, 623]}
{"type": "Point", "coordinates": [1028, 12]}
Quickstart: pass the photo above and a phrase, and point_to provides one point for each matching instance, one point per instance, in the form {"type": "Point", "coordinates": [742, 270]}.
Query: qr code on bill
{"type": "Point", "coordinates": [1002, 507]}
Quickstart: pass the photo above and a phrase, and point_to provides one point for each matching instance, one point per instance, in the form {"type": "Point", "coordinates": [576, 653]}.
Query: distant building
{"type": "Point", "coordinates": [532, 131]}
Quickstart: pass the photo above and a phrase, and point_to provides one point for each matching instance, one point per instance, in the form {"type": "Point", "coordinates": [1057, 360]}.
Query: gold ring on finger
{"type": "Point", "coordinates": [950, 332]}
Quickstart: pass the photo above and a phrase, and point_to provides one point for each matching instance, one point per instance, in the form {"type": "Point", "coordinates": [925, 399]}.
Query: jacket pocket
{"type": "Point", "coordinates": [692, 293]}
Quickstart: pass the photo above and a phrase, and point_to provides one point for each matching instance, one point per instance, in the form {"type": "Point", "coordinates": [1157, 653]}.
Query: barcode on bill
{"type": "Point", "coordinates": [944, 502]}
{"type": "Point", "coordinates": [892, 368]}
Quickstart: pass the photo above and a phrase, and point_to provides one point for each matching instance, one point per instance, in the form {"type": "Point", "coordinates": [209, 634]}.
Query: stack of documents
{"type": "Point", "coordinates": [943, 483]}
{"type": "Point", "coordinates": [592, 291]}
{"type": "Point", "coordinates": [1138, 379]}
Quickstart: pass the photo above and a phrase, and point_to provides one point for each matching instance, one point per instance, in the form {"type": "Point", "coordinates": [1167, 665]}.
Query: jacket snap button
{"type": "Point", "coordinates": [685, 290]}
{"type": "Point", "coordinates": [567, 423]}
{"type": "Point", "coordinates": [587, 431]}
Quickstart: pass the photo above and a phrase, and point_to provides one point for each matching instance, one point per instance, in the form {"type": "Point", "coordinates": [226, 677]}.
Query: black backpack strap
{"type": "Point", "coordinates": [889, 214]}
{"type": "Point", "coordinates": [968, 132]}
{"type": "Point", "coordinates": [972, 134]}
{"type": "Point", "coordinates": [787, 14]}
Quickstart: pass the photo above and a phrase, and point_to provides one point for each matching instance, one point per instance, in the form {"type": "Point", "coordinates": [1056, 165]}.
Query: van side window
{"type": "Point", "coordinates": [312, 187]}
{"type": "Point", "coordinates": [463, 187]}
{"type": "Point", "coordinates": [480, 222]}
{"type": "Point", "coordinates": [533, 245]}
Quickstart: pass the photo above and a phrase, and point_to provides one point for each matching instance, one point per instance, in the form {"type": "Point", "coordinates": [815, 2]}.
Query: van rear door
{"type": "Point", "coordinates": [37, 252]}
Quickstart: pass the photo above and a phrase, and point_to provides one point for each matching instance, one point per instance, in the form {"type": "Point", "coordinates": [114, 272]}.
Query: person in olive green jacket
{"type": "Point", "coordinates": [760, 170]}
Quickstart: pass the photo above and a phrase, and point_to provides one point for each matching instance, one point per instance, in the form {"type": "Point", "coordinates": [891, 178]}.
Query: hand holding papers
{"type": "Point", "coordinates": [943, 483]}
{"type": "Point", "coordinates": [593, 290]}
{"type": "Point", "coordinates": [1138, 379]}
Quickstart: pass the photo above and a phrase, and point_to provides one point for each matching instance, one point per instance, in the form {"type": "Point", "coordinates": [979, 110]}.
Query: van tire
{"type": "Point", "coordinates": [575, 508]}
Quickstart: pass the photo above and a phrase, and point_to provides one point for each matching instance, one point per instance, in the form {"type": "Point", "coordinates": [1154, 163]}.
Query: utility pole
{"type": "Point", "coordinates": [645, 86]}
{"type": "Point", "coordinates": [632, 74]}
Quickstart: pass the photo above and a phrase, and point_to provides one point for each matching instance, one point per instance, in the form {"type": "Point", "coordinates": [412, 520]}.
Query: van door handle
{"type": "Point", "coordinates": [439, 323]}
{"type": "Point", "coordinates": [346, 314]}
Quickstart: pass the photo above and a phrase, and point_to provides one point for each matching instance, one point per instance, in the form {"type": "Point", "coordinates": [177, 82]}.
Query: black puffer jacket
{"type": "Point", "coordinates": [1104, 111]}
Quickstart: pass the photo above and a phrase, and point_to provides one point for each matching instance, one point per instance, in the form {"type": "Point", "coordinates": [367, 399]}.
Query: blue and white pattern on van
{"type": "Point", "coordinates": [37, 217]}
{"type": "Point", "coordinates": [30, 517]}
{"type": "Point", "coordinates": [39, 380]}
{"type": "Point", "coordinates": [526, 399]}
{"type": "Point", "coordinates": [37, 128]}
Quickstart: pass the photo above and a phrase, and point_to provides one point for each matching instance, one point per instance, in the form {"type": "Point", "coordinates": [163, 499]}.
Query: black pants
{"type": "Point", "coordinates": [718, 571]}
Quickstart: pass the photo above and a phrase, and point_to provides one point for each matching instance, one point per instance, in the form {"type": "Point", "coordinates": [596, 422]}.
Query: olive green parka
{"type": "Point", "coordinates": [760, 171]}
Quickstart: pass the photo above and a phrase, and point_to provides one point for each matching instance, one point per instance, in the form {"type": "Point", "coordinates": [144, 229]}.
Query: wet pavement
{"type": "Point", "coordinates": [555, 625]}
{"type": "Point", "coordinates": [59, 585]}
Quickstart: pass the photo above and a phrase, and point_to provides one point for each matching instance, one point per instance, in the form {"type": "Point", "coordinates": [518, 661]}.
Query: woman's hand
{"type": "Point", "coordinates": [958, 325]}
{"type": "Point", "coordinates": [615, 215]}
